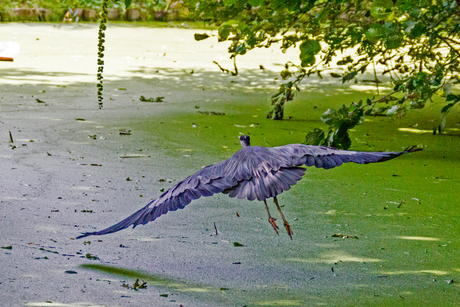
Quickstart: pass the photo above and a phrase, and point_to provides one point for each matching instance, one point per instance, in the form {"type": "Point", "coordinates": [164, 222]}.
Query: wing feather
{"type": "Point", "coordinates": [326, 157]}
{"type": "Point", "coordinates": [205, 182]}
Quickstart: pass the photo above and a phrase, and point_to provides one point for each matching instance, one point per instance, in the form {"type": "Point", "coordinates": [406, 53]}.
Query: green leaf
{"type": "Point", "coordinates": [329, 117]}
{"type": "Point", "coordinates": [308, 50]}
{"type": "Point", "coordinates": [417, 31]}
{"type": "Point", "coordinates": [452, 97]}
{"type": "Point", "coordinates": [229, 2]}
{"type": "Point", "coordinates": [409, 25]}
{"type": "Point", "coordinates": [393, 43]}
{"type": "Point", "coordinates": [349, 76]}
{"type": "Point", "coordinates": [256, 2]}
{"type": "Point", "coordinates": [201, 36]}
{"type": "Point", "coordinates": [128, 3]}
{"type": "Point", "coordinates": [447, 107]}
{"type": "Point", "coordinates": [381, 9]}
{"type": "Point", "coordinates": [341, 139]}
{"type": "Point", "coordinates": [241, 49]}
{"type": "Point", "coordinates": [315, 137]}
{"type": "Point", "coordinates": [392, 35]}
{"type": "Point", "coordinates": [334, 75]}
{"type": "Point", "coordinates": [224, 31]}
{"type": "Point", "coordinates": [324, 12]}
{"type": "Point", "coordinates": [375, 33]}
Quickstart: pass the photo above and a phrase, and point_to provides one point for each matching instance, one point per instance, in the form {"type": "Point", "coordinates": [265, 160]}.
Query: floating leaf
{"type": "Point", "coordinates": [345, 61]}
{"type": "Point", "coordinates": [124, 132]}
{"type": "Point", "coordinates": [211, 113]}
{"type": "Point", "coordinates": [92, 257]}
{"type": "Point", "coordinates": [138, 285]}
{"type": "Point", "coordinates": [70, 272]}
{"type": "Point", "coordinates": [200, 37]}
{"type": "Point", "coordinates": [335, 235]}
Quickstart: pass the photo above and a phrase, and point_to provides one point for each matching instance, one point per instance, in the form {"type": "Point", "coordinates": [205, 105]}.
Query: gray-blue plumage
{"type": "Point", "coordinates": [253, 172]}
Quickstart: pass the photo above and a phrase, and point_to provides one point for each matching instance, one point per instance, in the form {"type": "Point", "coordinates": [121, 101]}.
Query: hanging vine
{"type": "Point", "coordinates": [100, 53]}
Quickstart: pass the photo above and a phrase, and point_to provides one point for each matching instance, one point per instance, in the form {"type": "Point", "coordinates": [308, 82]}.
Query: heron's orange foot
{"type": "Point", "coordinates": [288, 229]}
{"type": "Point", "coordinates": [272, 222]}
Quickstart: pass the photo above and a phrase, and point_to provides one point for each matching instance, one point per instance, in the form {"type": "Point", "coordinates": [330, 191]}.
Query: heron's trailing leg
{"type": "Point", "coordinates": [286, 224]}
{"type": "Point", "coordinates": [270, 219]}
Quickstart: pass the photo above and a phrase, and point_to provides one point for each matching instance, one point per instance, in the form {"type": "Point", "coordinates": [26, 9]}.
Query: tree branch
{"type": "Point", "coordinates": [444, 39]}
{"type": "Point", "coordinates": [386, 96]}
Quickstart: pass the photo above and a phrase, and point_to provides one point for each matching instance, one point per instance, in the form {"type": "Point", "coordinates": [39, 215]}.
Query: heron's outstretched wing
{"type": "Point", "coordinates": [205, 182]}
{"type": "Point", "coordinates": [326, 157]}
{"type": "Point", "coordinates": [264, 172]}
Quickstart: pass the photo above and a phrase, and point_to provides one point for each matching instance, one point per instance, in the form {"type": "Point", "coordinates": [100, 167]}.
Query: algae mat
{"type": "Point", "coordinates": [384, 234]}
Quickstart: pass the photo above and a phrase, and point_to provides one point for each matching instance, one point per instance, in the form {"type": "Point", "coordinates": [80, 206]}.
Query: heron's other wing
{"type": "Point", "coordinates": [205, 182]}
{"type": "Point", "coordinates": [326, 157]}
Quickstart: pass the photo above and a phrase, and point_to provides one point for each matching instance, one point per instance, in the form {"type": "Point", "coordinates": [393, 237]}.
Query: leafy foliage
{"type": "Point", "coordinates": [55, 10]}
{"type": "Point", "coordinates": [339, 122]}
{"type": "Point", "coordinates": [416, 41]}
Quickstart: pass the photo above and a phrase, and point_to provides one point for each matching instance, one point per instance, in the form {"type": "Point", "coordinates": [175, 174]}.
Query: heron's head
{"type": "Point", "coordinates": [244, 140]}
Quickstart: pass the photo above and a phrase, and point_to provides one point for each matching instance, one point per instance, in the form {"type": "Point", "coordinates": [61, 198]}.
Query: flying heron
{"type": "Point", "coordinates": [252, 172]}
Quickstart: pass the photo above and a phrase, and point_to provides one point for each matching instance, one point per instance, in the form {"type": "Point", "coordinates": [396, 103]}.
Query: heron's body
{"type": "Point", "coordinates": [253, 172]}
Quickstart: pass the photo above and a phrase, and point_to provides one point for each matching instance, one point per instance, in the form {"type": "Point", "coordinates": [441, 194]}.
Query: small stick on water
{"type": "Point", "coordinates": [11, 137]}
{"type": "Point", "coordinates": [215, 228]}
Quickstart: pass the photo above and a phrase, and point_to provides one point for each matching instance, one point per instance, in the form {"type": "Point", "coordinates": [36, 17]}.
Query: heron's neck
{"type": "Point", "coordinates": [245, 143]}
